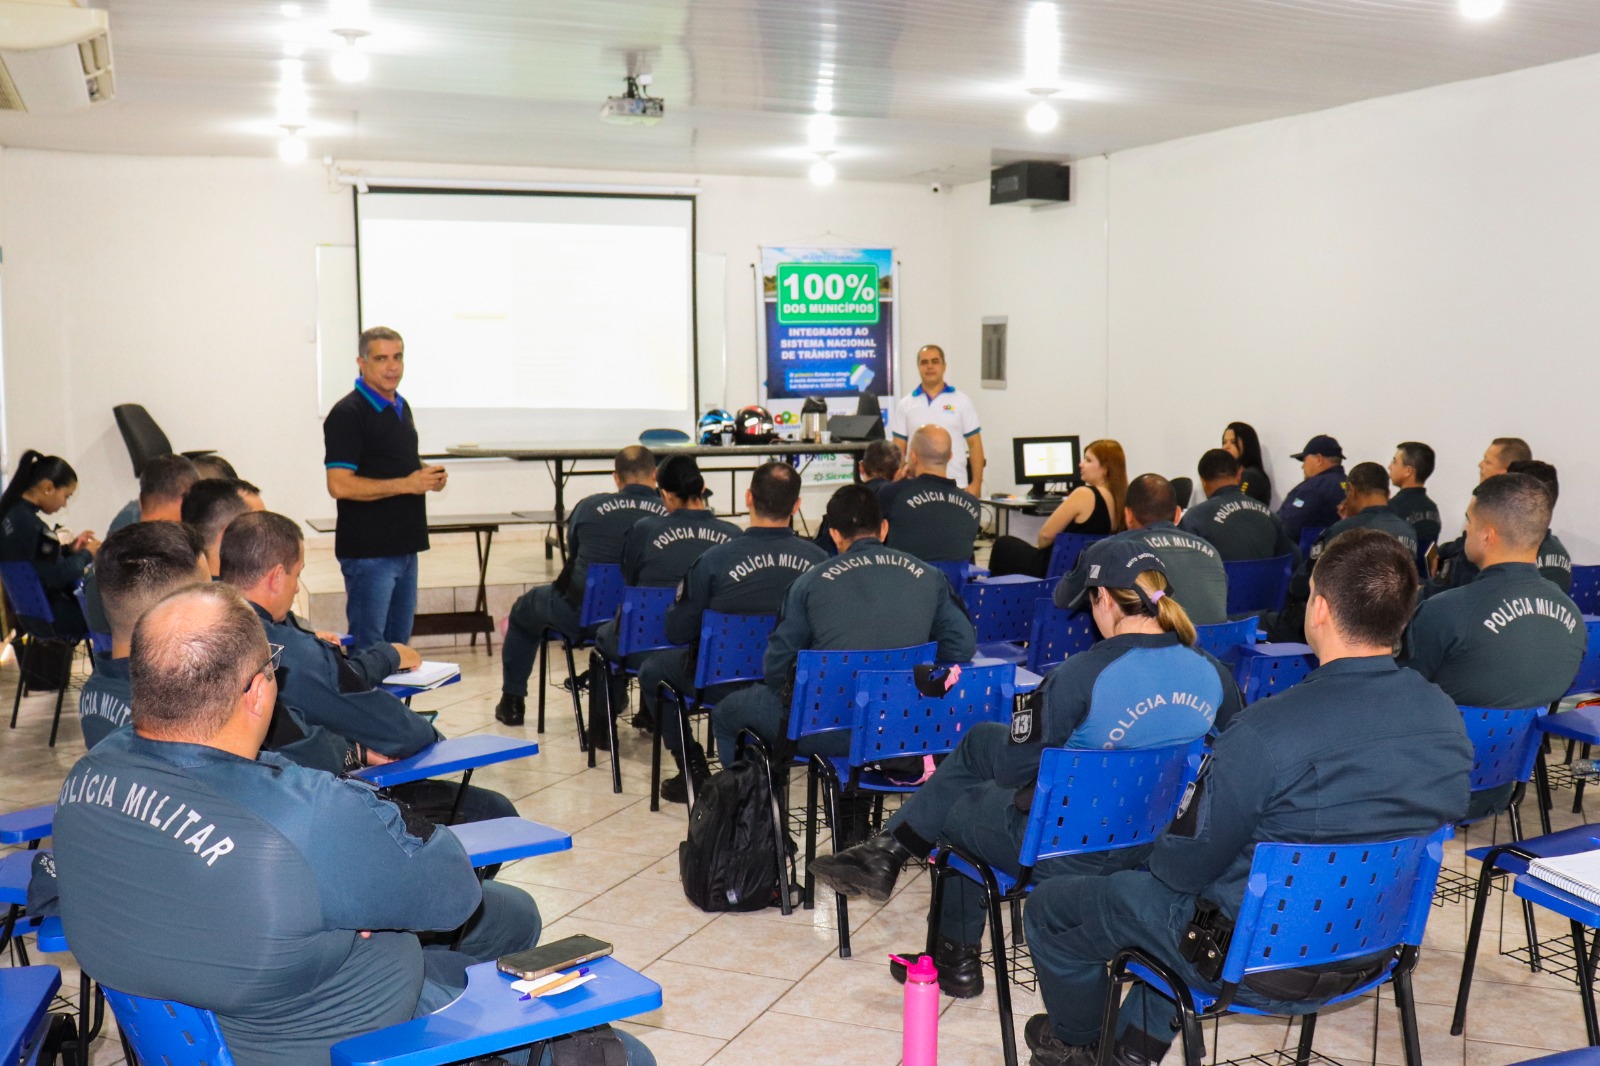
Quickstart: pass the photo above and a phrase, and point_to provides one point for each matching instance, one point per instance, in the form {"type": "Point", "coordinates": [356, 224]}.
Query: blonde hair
{"type": "Point", "coordinates": [1110, 456]}
{"type": "Point", "coordinates": [1168, 612]}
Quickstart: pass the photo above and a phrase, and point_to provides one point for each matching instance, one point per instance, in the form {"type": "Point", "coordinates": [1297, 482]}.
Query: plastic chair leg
{"type": "Point", "coordinates": [1407, 1005]}
{"type": "Point", "coordinates": [1002, 966]}
{"type": "Point", "coordinates": [1480, 903]}
{"type": "Point", "coordinates": [616, 760]}
{"type": "Point", "coordinates": [832, 797]}
{"type": "Point", "coordinates": [808, 891]}
{"type": "Point", "coordinates": [544, 679]}
{"type": "Point", "coordinates": [1580, 951]}
{"type": "Point", "coordinates": [21, 647]}
{"type": "Point", "coordinates": [577, 702]}
{"type": "Point", "coordinates": [683, 742]}
{"type": "Point", "coordinates": [1308, 1028]}
{"type": "Point", "coordinates": [61, 695]}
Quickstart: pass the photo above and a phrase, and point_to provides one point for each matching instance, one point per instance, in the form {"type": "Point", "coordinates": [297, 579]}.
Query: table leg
{"type": "Point", "coordinates": [483, 541]}
{"type": "Point", "coordinates": [561, 511]}
{"type": "Point", "coordinates": [1541, 780]}
{"type": "Point", "coordinates": [1580, 951]}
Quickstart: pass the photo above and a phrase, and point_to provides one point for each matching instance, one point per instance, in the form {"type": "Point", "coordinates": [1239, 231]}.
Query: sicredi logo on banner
{"type": "Point", "coordinates": [827, 293]}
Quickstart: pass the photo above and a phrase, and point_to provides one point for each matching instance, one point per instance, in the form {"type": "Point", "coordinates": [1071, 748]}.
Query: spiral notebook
{"type": "Point", "coordinates": [427, 675]}
{"type": "Point", "coordinates": [1578, 874]}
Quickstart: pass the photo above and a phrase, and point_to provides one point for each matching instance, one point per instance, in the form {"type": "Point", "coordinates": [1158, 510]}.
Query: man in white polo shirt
{"type": "Point", "coordinates": [935, 402]}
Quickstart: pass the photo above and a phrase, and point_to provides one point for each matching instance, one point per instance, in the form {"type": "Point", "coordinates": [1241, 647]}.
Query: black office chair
{"type": "Point", "coordinates": [144, 438]}
{"type": "Point", "coordinates": [1183, 489]}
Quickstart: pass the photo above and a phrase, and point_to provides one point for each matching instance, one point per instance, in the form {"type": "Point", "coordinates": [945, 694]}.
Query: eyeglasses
{"type": "Point", "coordinates": [270, 667]}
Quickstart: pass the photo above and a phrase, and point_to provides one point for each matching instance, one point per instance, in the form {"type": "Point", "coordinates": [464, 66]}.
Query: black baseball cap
{"type": "Point", "coordinates": [1113, 563]}
{"type": "Point", "coordinates": [680, 475]}
{"type": "Point", "coordinates": [1321, 444]}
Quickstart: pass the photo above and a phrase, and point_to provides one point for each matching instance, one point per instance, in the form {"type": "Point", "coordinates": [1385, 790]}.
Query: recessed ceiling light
{"type": "Point", "coordinates": [292, 148]}
{"type": "Point", "coordinates": [1042, 118]}
{"type": "Point", "coordinates": [820, 132]}
{"type": "Point", "coordinates": [350, 62]}
{"type": "Point", "coordinates": [822, 172]}
{"type": "Point", "coordinates": [1042, 45]}
{"type": "Point", "coordinates": [1481, 9]}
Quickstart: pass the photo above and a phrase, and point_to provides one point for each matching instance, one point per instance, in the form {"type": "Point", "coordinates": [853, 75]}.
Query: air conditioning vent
{"type": "Point", "coordinates": [54, 56]}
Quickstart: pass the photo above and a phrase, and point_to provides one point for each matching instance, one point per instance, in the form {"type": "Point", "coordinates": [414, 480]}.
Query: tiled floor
{"type": "Point", "coordinates": [746, 988]}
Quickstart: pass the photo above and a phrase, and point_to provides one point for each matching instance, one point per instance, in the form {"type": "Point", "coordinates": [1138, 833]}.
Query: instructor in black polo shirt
{"type": "Point", "coordinates": [379, 480]}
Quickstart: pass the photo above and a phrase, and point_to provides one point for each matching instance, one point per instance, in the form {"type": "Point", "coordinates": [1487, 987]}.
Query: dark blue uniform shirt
{"type": "Point", "coordinates": [106, 702]}
{"type": "Point", "coordinates": [1313, 503]}
{"type": "Point", "coordinates": [1414, 506]}
{"type": "Point", "coordinates": [1238, 526]}
{"type": "Point", "coordinates": [747, 575]}
{"type": "Point", "coordinates": [658, 551]}
{"type": "Point", "coordinates": [931, 517]}
{"type": "Point", "coordinates": [596, 528]}
{"type": "Point", "coordinates": [1194, 570]}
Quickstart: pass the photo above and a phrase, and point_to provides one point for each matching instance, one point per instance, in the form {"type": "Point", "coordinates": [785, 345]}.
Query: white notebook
{"type": "Point", "coordinates": [1578, 874]}
{"type": "Point", "coordinates": [428, 675]}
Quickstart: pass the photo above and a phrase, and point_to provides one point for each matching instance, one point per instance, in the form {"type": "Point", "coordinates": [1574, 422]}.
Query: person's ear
{"type": "Point", "coordinates": [796, 508]}
{"type": "Point", "coordinates": [883, 529]}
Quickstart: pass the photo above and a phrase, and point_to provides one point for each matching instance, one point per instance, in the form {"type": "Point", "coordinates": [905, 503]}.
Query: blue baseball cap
{"type": "Point", "coordinates": [1321, 444]}
{"type": "Point", "coordinates": [1113, 563]}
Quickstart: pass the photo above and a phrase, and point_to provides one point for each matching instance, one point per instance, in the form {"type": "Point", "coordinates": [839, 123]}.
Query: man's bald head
{"type": "Point", "coordinates": [195, 654]}
{"type": "Point", "coordinates": [930, 447]}
{"type": "Point", "coordinates": [635, 465]}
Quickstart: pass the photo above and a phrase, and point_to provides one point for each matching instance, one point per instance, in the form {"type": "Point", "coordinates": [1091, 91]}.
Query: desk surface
{"type": "Point", "coordinates": [444, 523]}
{"type": "Point", "coordinates": [533, 450]}
{"type": "Point", "coordinates": [25, 994]}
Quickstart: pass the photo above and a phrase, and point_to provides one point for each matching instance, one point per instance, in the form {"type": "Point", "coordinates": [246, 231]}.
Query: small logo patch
{"type": "Point", "coordinates": [1094, 571]}
{"type": "Point", "coordinates": [1022, 725]}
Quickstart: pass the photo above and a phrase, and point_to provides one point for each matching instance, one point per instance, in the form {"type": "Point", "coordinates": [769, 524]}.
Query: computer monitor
{"type": "Point", "coordinates": [1042, 461]}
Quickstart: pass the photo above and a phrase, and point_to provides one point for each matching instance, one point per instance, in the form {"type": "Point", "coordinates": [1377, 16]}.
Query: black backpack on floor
{"type": "Point", "coordinates": [729, 862]}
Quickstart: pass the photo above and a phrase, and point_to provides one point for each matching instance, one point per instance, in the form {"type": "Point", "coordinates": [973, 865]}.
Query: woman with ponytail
{"type": "Point", "coordinates": [1144, 685]}
{"type": "Point", "coordinates": [41, 486]}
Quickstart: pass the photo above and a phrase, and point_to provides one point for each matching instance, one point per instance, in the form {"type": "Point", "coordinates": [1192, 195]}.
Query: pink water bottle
{"type": "Point", "coordinates": [920, 1042]}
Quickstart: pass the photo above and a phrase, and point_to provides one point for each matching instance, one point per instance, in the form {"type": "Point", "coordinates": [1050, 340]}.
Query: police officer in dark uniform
{"type": "Point", "coordinates": [877, 469]}
{"type": "Point", "coordinates": [747, 575]}
{"type": "Point", "coordinates": [1360, 750]}
{"type": "Point", "coordinates": [1510, 639]}
{"type": "Point", "coordinates": [929, 515]}
{"type": "Point", "coordinates": [1239, 526]}
{"type": "Point", "coordinates": [979, 797]}
{"type": "Point", "coordinates": [1193, 566]}
{"type": "Point", "coordinates": [42, 485]}
{"type": "Point", "coordinates": [871, 597]}
{"type": "Point", "coordinates": [1314, 503]}
{"type": "Point", "coordinates": [1456, 569]}
{"type": "Point", "coordinates": [595, 529]}
{"type": "Point", "coordinates": [1409, 471]}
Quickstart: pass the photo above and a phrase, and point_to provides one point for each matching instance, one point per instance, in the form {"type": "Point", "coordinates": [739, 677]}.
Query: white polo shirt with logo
{"type": "Point", "coordinates": [951, 409]}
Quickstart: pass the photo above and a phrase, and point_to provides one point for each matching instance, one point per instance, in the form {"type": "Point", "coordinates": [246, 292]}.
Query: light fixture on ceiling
{"type": "Point", "coordinates": [350, 63]}
{"type": "Point", "coordinates": [293, 103]}
{"type": "Point", "coordinates": [1481, 9]}
{"type": "Point", "coordinates": [820, 132]}
{"type": "Point", "coordinates": [822, 172]}
{"type": "Point", "coordinates": [292, 148]}
{"type": "Point", "coordinates": [1042, 44]}
{"type": "Point", "coordinates": [1042, 117]}
{"type": "Point", "coordinates": [289, 11]}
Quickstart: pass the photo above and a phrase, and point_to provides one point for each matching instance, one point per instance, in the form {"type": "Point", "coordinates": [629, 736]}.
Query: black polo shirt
{"type": "Point", "coordinates": [378, 440]}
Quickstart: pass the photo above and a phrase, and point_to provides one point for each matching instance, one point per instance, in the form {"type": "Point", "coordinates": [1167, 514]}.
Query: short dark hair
{"type": "Point", "coordinates": [1542, 472]}
{"type": "Point", "coordinates": [634, 464]}
{"type": "Point", "coordinates": [140, 564]}
{"type": "Point", "coordinates": [254, 543]}
{"type": "Point", "coordinates": [214, 465]}
{"type": "Point", "coordinates": [853, 511]}
{"type": "Point", "coordinates": [213, 502]}
{"type": "Point", "coordinates": [774, 489]}
{"type": "Point", "coordinates": [1513, 449]}
{"type": "Point", "coordinates": [882, 458]}
{"type": "Point", "coordinates": [1368, 479]}
{"type": "Point", "coordinates": [166, 477]}
{"type": "Point", "coordinates": [1370, 582]}
{"type": "Point", "coordinates": [1151, 499]}
{"type": "Point", "coordinates": [1217, 464]}
{"type": "Point", "coordinates": [1418, 456]}
{"type": "Point", "coordinates": [1517, 506]}
{"type": "Point", "coordinates": [379, 333]}
{"type": "Point", "coordinates": [187, 680]}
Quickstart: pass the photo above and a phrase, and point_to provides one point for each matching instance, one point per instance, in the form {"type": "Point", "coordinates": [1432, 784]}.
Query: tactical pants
{"type": "Point", "coordinates": [535, 611]}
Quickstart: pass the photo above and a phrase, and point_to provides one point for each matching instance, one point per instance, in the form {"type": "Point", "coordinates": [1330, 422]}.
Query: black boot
{"type": "Point", "coordinates": [865, 869]}
{"type": "Point", "coordinates": [959, 965]}
{"type": "Point", "coordinates": [1050, 1050]}
{"type": "Point", "coordinates": [675, 789]}
{"type": "Point", "coordinates": [510, 710]}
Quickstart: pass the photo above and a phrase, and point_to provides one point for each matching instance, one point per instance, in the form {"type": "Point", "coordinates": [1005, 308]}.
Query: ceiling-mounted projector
{"type": "Point", "coordinates": [634, 107]}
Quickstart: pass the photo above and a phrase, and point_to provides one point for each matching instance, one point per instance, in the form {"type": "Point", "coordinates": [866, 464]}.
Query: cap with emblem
{"type": "Point", "coordinates": [1321, 444]}
{"type": "Point", "coordinates": [1114, 563]}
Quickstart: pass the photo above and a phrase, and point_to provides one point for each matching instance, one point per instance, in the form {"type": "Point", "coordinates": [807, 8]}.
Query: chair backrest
{"type": "Point", "coordinates": [602, 594]}
{"type": "Point", "coordinates": [172, 1034]}
{"type": "Point", "coordinates": [1003, 610]}
{"type": "Point", "coordinates": [1223, 639]}
{"type": "Point", "coordinates": [732, 648]}
{"type": "Point", "coordinates": [1064, 553]}
{"type": "Point", "coordinates": [99, 643]}
{"type": "Point", "coordinates": [1313, 904]}
{"type": "Point", "coordinates": [1586, 588]}
{"type": "Point", "coordinates": [1182, 489]}
{"type": "Point", "coordinates": [1504, 744]}
{"type": "Point", "coordinates": [894, 720]}
{"type": "Point", "coordinates": [644, 620]}
{"type": "Point", "coordinates": [1588, 677]}
{"type": "Point", "coordinates": [1308, 537]}
{"type": "Point", "coordinates": [956, 574]}
{"type": "Point", "coordinates": [1056, 634]}
{"type": "Point", "coordinates": [1260, 676]}
{"type": "Point", "coordinates": [1258, 584]}
{"type": "Point", "coordinates": [140, 433]}
{"type": "Point", "coordinates": [825, 684]}
{"type": "Point", "coordinates": [1089, 800]}
{"type": "Point", "coordinates": [26, 592]}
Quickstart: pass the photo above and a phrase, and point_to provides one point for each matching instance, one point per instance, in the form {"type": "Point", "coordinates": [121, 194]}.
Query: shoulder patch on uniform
{"type": "Point", "coordinates": [1026, 720]}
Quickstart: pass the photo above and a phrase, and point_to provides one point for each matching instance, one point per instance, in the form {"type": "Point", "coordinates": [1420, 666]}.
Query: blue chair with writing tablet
{"type": "Point", "coordinates": [602, 598]}
{"type": "Point", "coordinates": [35, 621]}
{"type": "Point", "coordinates": [1256, 585]}
{"type": "Point", "coordinates": [25, 996]}
{"type": "Point", "coordinates": [1065, 551]}
{"type": "Point", "coordinates": [641, 628]}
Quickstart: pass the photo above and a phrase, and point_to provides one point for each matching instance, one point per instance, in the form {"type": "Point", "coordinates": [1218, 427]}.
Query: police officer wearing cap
{"type": "Point", "coordinates": [929, 515]}
{"type": "Point", "coordinates": [1314, 503]}
{"type": "Point", "coordinates": [1510, 638]}
{"type": "Point", "coordinates": [1239, 526]}
{"type": "Point", "coordinates": [980, 796]}
{"type": "Point", "coordinates": [1193, 566]}
{"type": "Point", "coordinates": [595, 529]}
{"type": "Point", "coordinates": [748, 575]}
{"type": "Point", "coordinates": [1360, 750]}
{"type": "Point", "coordinates": [871, 597]}
{"type": "Point", "coordinates": [1367, 504]}
{"type": "Point", "coordinates": [1409, 471]}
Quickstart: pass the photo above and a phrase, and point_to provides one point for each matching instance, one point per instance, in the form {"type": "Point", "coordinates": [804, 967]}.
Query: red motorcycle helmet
{"type": "Point", "coordinates": [753, 425]}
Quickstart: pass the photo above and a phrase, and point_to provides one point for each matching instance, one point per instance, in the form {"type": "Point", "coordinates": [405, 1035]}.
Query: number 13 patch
{"type": "Point", "coordinates": [1026, 720]}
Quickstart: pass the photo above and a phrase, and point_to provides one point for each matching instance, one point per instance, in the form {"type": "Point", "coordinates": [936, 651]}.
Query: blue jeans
{"type": "Point", "coordinates": [380, 598]}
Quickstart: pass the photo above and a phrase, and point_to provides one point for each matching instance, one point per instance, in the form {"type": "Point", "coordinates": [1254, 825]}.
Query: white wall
{"type": "Point", "coordinates": [189, 285]}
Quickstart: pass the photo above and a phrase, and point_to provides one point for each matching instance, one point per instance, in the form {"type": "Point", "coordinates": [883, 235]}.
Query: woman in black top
{"type": "Point", "coordinates": [42, 485]}
{"type": "Point", "coordinates": [1240, 441]}
{"type": "Point", "coordinates": [1093, 508]}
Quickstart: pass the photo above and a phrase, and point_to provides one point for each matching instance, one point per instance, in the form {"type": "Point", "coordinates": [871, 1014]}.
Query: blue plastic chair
{"type": "Point", "coordinates": [602, 596]}
{"type": "Point", "coordinates": [1266, 669]}
{"type": "Point", "coordinates": [1055, 635]}
{"type": "Point", "coordinates": [1308, 905]}
{"type": "Point", "coordinates": [35, 621]}
{"type": "Point", "coordinates": [1578, 726]}
{"type": "Point", "coordinates": [1225, 640]}
{"type": "Point", "coordinates": [1586, 588]}
{"type": "Point", "coordinates": [1002, 613]}
{"type": "Point", "coordinates": [1308, 537]}
{"type": "Point", "coordinates": [1256, 585]}
{"type": "Point", "coordinates": [99, 643]}
{"type": "Point", "coordinates": [1086, 801]}
{"type": "Point", "coordinates": [25, 996]}
{"type": "Point", "coordinates": [160, 1030]}
{"type": "Point", "coordinates": [955, 573]}
{"type": "Point", "coordinates": [1065, 551]}
{"type": "Point", "coordinates": [641, 627]}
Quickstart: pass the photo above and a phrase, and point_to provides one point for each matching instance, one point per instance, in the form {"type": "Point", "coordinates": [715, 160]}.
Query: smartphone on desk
{"type": "Point", "coordinates": [556, 955]}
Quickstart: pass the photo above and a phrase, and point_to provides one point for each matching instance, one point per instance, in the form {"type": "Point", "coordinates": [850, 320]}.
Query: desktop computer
{"type": "Point", "coordinates": [1047, 465]}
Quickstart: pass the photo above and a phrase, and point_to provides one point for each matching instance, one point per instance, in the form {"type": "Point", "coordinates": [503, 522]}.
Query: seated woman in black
{"type": "Point", "coordinates": [1094, 508]}
{"type": "Point", "coordinates": [1240, 441]}
{"type": "Point", "coordinates": [42, 485]}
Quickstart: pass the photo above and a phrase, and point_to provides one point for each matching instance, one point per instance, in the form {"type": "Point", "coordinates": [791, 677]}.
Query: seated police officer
{"type": "Point", "coordinates": [1452, 569]}
{"type": "Point", "coordinates": [211, 504]}
{"type": "Point", "coordinates": [871, 597]}
{"type": "Point", "coordinates": [656, 553]}
{"type": "Point", "coordinates": [263, 554]}
{"type": "Point", "coordinates": [1367, 505]}
{"type": "Point", "coordinates": [980, 796]}
{"type": "Point", "coordinates": [929, 515]}
{"type": "Point", "coordinates": [1193, 566]}
{"type": "Point", "coordinates": [1510, 639]}
{"type": "Point", "coordinates": [1314, 503]}
{"type": "Point", "coordinates": [1240, 527]}
{"type": "Point", "coordinates": [194, 867]}
{"type": "Point", "coordinates": [877, 469]}
{"type": "Point", "coordinates": [595, 529]}
{"type": "Point", "coordinates": [1555, 562]}
{"type": "Point", "coordinates": [747, 575]}
{"type": "Point", "coordinates": [1360, 750]}
{"type": "Point", "coordinates": [1409, 471]}
{"type": "Point", "coordinates": [163, 483]}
